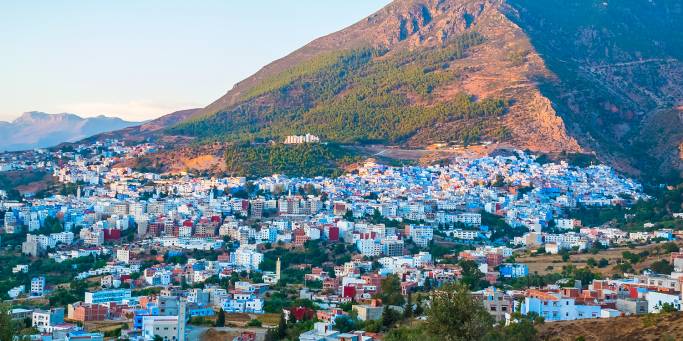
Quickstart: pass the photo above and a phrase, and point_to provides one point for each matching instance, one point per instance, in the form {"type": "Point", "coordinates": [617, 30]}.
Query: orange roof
{"type": "Point", "coordinates": [548, 296]}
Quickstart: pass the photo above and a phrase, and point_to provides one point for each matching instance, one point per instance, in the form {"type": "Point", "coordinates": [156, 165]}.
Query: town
{"type": "Point", "coordinates": [117, 252]}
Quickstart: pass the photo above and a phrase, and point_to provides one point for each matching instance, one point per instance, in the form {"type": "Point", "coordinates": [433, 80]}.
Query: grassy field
{"type": "Point", "coordinates": [270, 319]}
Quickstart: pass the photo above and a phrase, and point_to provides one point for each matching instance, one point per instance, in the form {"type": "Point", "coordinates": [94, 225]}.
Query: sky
{"type": "Point", "coordinates": [142, 59]}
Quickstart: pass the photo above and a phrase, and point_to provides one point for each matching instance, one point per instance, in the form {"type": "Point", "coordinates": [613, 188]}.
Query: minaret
{"type": "Point", "coordinates": [277, 270]}
{"type": "Point", "coordinates": [181, 320]}
{"type": "Point", "coordinates": [78, 193]}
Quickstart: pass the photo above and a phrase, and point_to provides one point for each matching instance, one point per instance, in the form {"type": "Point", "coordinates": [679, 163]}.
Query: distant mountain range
{"type": "Point", "coordinates": [40, 130]}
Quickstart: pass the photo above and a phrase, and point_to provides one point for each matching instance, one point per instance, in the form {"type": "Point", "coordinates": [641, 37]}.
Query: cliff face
{"type": "Point", "coordinates": [551, 76]}
{"type": "Point", "coordinates": [618, 75]}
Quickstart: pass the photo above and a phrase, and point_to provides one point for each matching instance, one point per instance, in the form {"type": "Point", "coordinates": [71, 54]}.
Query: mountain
{"type": "Point", "coordinates": [153, 129]}
{"type": "Point", "coordinates": [39, 130]}
{"type": "Point", "coordinates": [554, 76]}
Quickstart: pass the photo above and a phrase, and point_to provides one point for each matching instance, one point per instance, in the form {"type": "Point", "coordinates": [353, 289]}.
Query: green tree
{"type": "Point", "coordinates": [405, 333]}
{"type": "Point", "coordinates": [523, 329]}
{"type": "Point", "coordinates": [389, 317]}
{"type": "Point", "coordinates": [7, 330]}
{"type": "Point", "coordinates": [254, 323]}
{"type": "Point", "coordinates": [408, 309]}
{"type": "Point", "coordinates": [220, 319]}
{"type": "Point", "coordinates": [471, 275]}
{"type": "Point", "coordinates": [662, 267]}
{"type": "Point", "coordinates": [667, 308]}
{"type": "Point", "coordinates": [344, 324]}
{"type": "Point", "coordinates": [281, 327]}
{"type": "Point", "coordinates": [455, 315]}
{"type": "Point", "coordinates": [391, 291]}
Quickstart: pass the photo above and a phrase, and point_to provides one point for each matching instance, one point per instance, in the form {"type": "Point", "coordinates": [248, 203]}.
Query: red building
{"type": "Point", "coordinates": [349, 291]}
{"type": "Point", "coordinates": [301, 313]}
{"type": "Point", "coordinates": [112, 234]}
{"type": "Point", "coordinates": [332, 233]}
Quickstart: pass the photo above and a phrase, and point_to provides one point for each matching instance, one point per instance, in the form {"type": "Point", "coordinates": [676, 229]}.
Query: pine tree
{"type": "Point", "coordinates": [7, 330]}
{"type": "Point", "coordinates": [408, 310]}
{"type": "Point", "coordinates": [220, 320]}
{"type": "Point", "coordinates": [282, 327]}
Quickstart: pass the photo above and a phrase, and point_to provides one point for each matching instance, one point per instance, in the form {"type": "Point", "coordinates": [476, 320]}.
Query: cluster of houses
{"type": "Point", "coordinates": [383, 213]}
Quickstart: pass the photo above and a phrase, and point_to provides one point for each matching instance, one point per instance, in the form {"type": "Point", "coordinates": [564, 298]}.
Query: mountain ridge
{"type": "Point", "coordinates": [562, 76]}
{"type": "Point", "coordinates": [35, 129]}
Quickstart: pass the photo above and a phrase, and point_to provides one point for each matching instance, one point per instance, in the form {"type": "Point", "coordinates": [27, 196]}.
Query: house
{"type": "Point", "coordinates": [45, 320]}
{"type": "Point", "coordinates": [497, 302]}
{"type": "Point", "coordinates": [554, 307]}
{"type": "Point", "coordinates": [369, 312]}
{"type": "Point", "coordinates": [656, 300]}
{"type": "Point", "coordinates": [37, 286]}
{"type": "Point", "coordinates": [514, 270]}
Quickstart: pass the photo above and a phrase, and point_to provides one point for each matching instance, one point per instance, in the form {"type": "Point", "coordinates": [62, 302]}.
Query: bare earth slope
{"type": "Point", "coordinates": [642, 328]}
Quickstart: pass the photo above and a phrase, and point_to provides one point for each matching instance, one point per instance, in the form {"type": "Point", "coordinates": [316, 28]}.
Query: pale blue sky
{"type": "Point", "coordinates": [141, 59]}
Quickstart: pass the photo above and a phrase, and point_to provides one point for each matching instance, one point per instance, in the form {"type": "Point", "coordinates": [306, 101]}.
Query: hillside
{"type": "Point", "coordinates": [148, 130]}
{"type": "Point", "coordinates": [414, 73]}
{"type": "Point", "coordinates": [644, 327]}
{"type": "Point", "coordinates": [564, 76]}
{"type": "Point", "coordinates": [619, 76]}
{"type": "Point", "coordinates": [40, 130]}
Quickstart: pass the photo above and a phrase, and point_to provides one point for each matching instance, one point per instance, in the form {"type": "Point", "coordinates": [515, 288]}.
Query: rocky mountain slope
{"type": "Point", "coordinates": [551, 76]}
{"type": "Point", "coordinates": [39, 130]}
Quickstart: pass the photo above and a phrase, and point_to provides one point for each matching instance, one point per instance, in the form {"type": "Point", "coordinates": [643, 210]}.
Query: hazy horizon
{"type": "Point", "coordinates": [138, 61]}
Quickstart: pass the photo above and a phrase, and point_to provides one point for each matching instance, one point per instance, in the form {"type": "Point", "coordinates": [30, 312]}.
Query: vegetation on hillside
{"type": "Point", "coordinates": [295, 160]}
{"type": "Point", "coordinates": [658, 210]}
{"type": "Point", "coordinates": [361, 95]}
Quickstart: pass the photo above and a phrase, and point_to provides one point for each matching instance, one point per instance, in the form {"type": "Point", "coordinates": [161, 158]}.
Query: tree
{"type": "Point", "coordinates": [281, 327]}
{"type": "Point", "coordinates": [389, 317]}
{"type": "Point", "coordinates": [271, 335]}
{"type": "Point", "coordinates": [158, 338]}
{"type": "Point", "coordinates": [418, 308]}
{"type": "Point", "coordinates": [220, 319]}
{"type": "Point", "coordinates": [7, 332]}
{"type": "Point", "coordinates": [391, 291]}
{"type": "Point", "coordinates": [408, 309]}
{"type": "Point", "coordinates": [522, 329]}
{"type": "Point", "coordinates": [471, 275]}
{"type": "Point", "coordinates": [254, 323]}
{"type": "Point", "coordinates": [591, 262]}
{"type": "Point", "coordinates": [405, 333]}
{"type": "Point", "coordinates": [565, 256]}
{"type": "Point", "coordinates": [662, 267]}
{"type": "Point", "coordinates": [344, 324]}
{"type": "Point", "coordinates": [671, 247]}
{"type": "Point", "coordinates": [455, 315]}
{"type": "Point", "coordinates": [667, 308]}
